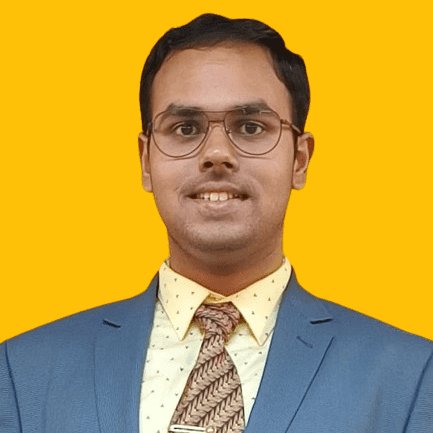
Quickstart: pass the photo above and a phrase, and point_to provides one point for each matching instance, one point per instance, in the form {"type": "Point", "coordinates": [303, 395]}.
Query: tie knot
{"type": "Point", "coordinates": [217, 318]}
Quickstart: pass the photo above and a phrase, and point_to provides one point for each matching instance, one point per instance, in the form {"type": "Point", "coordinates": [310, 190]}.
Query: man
{"type": "Point", "coordinates": [224, 339]}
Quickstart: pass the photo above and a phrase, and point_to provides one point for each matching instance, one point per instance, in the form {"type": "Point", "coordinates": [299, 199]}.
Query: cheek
{"type": "Point", "coordinates": [162, 178]}
{"type": "Point", "coordinates": [277, 186]}
{"type": "Point", "coordinates": [163, 190]}
{"type": "Point", "coordinates": [167, 178]}
{"type": "Point", "coordinates": [162, 170]}
{"type": "Point", "coordinates": [275, 175]}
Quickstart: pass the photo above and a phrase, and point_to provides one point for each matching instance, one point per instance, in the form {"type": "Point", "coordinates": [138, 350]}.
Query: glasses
{"type": "Point", "coordinates": [254, 131]}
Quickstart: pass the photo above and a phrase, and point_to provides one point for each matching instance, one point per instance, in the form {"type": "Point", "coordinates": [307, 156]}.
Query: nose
{"type": "Point", "coordinates": [218, 153]}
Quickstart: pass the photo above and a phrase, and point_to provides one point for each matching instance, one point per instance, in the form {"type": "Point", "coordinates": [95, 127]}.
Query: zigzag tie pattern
{"type": "Point", "coordinates": [213, 395]}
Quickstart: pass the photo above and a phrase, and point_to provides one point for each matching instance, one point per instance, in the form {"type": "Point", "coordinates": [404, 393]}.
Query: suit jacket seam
{"type": "Point", "coordinates": [417, 390]}
{"type": "Point", "coordinates": [11, 376]}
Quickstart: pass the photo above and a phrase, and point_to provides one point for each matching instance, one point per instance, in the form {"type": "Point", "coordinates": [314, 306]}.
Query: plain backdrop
{"type": "Point", "coordinates": [78, 230]}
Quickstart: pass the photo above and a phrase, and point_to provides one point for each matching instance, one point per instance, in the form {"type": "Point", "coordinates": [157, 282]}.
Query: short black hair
{"type": "Point", "coordinates": [210, 30]}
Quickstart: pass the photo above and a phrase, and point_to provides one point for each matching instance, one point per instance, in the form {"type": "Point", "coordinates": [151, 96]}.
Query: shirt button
{"type": "Point", "coordinates": [210, 429]}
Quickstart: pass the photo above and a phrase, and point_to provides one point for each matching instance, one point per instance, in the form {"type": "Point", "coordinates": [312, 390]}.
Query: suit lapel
{"type": "Point", "coordinates": [120, 351]}
{"type": "Point", "coordinates": [299, 345]}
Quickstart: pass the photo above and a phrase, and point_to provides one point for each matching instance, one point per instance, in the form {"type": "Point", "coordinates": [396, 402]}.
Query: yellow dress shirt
{"type": "Point", "coordinates": [175, 340]}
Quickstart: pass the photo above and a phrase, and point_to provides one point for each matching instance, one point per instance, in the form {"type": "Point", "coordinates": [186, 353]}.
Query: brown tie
{"type": "Point", "coordinates": [212, 398]}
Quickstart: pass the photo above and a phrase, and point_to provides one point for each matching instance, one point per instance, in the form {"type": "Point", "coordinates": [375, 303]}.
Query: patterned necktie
{"type": "Point", "coordinates": [212, 398]}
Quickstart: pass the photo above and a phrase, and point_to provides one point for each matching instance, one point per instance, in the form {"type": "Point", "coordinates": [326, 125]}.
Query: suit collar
{"type": "Point", "coordinates": [301, 339]}
{"type": "Point", "coordinates": [120, 352]}
{"type": "Point", "coordinates": [299, 344]}
{"type": "Point", "coordinates": [308, 306]}
{"type": "Point", "coordinates": [130, 311]}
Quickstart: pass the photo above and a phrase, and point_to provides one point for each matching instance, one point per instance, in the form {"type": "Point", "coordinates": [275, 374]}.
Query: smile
{"type": "Point", "coordinates": [218, 196]}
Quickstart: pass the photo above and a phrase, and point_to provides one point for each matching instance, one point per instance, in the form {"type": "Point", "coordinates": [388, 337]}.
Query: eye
{"type": "Point", "coordinates": [186, 129]}
{"type": "Point", "coordinates": [251, 128]}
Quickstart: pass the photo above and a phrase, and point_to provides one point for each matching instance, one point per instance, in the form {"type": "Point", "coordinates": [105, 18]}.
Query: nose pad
{"type": "Point", "coordinates": [218, 151]}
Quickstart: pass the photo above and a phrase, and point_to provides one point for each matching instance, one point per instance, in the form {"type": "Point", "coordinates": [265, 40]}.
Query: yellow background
{"type": "Point", "coordinates": [78, 230]}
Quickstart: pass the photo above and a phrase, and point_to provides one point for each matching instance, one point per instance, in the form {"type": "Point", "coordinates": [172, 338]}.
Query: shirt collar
{"type": "Point", "coordinates": [258, 303]}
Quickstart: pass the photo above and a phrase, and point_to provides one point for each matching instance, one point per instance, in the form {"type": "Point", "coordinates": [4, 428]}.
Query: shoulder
{"type": "Point", "coordinates": [347, 323]}
{"type": "Point", "coordinates": [357, 338]}
{"type": "Point", "coordinates": [378, 348]}
{"type": "Point", "coordinates": [77, 333]}
{"type": "Point", "coordinates": [360, 327]}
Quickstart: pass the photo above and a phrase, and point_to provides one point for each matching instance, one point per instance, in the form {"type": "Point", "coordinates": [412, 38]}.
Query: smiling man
{"type": "Point", "coordinates": [221, 163]}
{"type": "Point", "coordinates": [224, 340]}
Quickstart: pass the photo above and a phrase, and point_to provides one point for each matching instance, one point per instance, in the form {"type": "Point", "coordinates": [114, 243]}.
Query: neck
{"type": "Point", "coordinates": [225, 272]}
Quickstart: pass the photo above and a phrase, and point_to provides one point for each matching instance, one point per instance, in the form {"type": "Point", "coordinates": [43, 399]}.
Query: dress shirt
{"type": "Point", "coordinates": [175, 340]}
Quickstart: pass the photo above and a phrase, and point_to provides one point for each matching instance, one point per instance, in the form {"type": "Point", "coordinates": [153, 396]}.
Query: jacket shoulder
{"type": "Point", "coordinates": [80, 329]}
{"type": "Point", "coordinates": [354, 324]}
{"type": "Point", "coordinates": [347, 323]}
{"type": "Point", "coordinates": [355, 334]}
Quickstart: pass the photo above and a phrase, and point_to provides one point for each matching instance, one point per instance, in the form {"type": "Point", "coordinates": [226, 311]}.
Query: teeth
{"type": "Point", "coordinates": [217, 196]}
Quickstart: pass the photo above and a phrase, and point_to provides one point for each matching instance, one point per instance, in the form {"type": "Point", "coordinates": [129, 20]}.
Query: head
{"type": "Point", "coordinates": [210, 30]}
{"type": "Point", "coordinates": [219, 202]}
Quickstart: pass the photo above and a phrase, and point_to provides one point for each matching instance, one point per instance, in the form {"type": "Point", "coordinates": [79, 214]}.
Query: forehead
{"type": "Point", "coordinates": [220, 78]}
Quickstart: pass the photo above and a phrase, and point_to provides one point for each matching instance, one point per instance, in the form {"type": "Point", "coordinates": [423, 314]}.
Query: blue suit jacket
{"type": "Point", "coordinates": [329, 369]}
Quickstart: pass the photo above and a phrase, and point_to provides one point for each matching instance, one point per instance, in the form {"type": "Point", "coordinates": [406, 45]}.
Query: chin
{"type": "Point", "coordinates": [219, 243]}
{"type": "Point", "coordinates": [218, 239]}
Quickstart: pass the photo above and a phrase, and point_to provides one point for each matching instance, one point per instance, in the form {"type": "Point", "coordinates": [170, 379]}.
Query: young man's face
{"type": "Point", "coordinates": [220, 79]}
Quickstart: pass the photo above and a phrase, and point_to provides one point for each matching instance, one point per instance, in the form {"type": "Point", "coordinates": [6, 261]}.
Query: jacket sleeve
{"type": "Point", "coordinates": [421, 416]}
{"type": "Point", "coordinates": [9, 413]}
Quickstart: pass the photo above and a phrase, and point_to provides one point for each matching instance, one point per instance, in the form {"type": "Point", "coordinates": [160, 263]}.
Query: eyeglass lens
{"type": "Point", "coordinates": [180, 133]}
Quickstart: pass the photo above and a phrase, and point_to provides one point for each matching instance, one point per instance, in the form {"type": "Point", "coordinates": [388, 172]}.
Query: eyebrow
{"type": "Point", "coordinates": [180, 108]}
{"type": "Point", "coordinates": [185, 109]}
{"type": "Point", "coordinates": [254, 106]}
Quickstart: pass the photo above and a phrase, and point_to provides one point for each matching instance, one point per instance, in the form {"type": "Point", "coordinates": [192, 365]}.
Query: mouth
{"type": "Point", "coordinates": [218, 196]}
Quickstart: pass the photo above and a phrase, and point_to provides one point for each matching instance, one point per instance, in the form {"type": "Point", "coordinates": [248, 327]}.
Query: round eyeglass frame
{"type": "Point", "coordinates": [283, 122]}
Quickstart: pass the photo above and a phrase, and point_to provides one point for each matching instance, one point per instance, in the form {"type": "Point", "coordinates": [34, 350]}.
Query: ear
{"type": "Point", "coordinates": [143, 147]}
{"type": "Point", "coordinates": [305, 148]}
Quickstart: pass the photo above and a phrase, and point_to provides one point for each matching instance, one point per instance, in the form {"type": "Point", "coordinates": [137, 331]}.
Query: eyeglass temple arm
{"type": "Point", "coordinates": [295, 128]}
{"type": "Point", "coordinates": [148, 130]}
